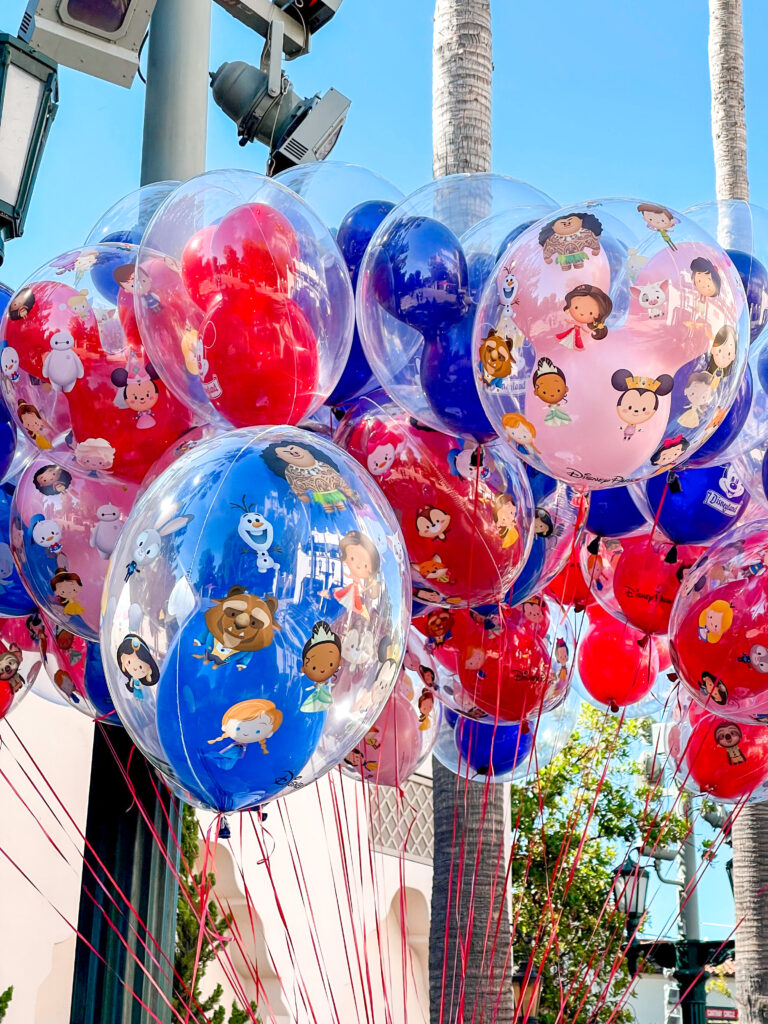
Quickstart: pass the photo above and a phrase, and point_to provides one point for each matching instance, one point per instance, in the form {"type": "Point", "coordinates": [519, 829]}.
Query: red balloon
{"type": "Point", "coordinates": [596, 613]}
{"type": "Point", "coordinates": [253, 247]}
{"type": "Point", "coordinates": [260, 359]}
{"type": "Point", "coordinates": [725, 759]}
{"type": "Point", "coordinates": [569, 586]}
{"type": "Point", "coordinates": [197, 271]}
{"type": "Point", "coordinates": [6, 697]}
{"type": "Point", "coordinates": [504, 667]}
{"type": "Point", "coordinates": [461, 517]}
{"type": "Point", "coordinates": [645, 584]}
{"type": "Point", "coordinates": [614, 668]}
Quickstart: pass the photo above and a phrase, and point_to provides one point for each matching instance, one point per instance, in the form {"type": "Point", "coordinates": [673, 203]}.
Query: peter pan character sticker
{"type": "Point", "coordinates": [550, 387]}
{"type": "Point", "coordinates": [659, 218]}
{"type": "Point", "coordinates": [310, 474]}
{"type": "Point", "coordinates": [237, 626]}
{"type": "Point", "coordinates": [320, 661]}
{"type": "Point", "coordinates": [570, 240]}
{"type": "Point", "coordinates": [638, 399]}
{"type": "Point", "coordinates": [588, 307]}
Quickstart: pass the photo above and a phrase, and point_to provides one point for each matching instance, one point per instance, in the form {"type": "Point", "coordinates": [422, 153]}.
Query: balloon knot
{"type": "Point", "coordinates": [594, 546]}
{"type": "Point", "coordinates": [673, 482]}
{"type": "Point", "coordinates": [643, 641]}
{"type": "Point", "coordinates": [613, 707]}
{"type": "Point", "coordinates": [672, 677]}
{"type": "Point", "coordinates": [224, 829]}
{"type": "Point", "coordinates": [671, 556]}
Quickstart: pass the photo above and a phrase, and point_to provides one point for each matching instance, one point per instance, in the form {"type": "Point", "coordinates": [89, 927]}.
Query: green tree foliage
{"type": "Point", "coordinates": [564, 858]}
{"type": "Point", "coordinates": [5, 1001]}
{"type": "Point", "coordinates": [187, 936]}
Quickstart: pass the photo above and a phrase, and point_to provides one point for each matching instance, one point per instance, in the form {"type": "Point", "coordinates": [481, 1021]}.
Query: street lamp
{"type": "Point", "coordinates": [630, 890]}
{"type": "Point", "coordinates": [729, 872]}
{"type": "Point", "coordinates": [28, 103]}
{"type": "Point", "coordinates": [526, 989]}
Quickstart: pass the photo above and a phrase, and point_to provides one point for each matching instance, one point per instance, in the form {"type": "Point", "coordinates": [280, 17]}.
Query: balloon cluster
{"type": "Point", "coordinates": [534, 412]}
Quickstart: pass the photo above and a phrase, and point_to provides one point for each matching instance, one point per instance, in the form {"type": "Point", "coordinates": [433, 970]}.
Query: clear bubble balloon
{"type": "Point", "coordinates": [482, 751]}
{"type": "Point", "coordinates": [415, 292]}
{"type": "Point", "coordinates": [243, 300]}
{"type": "Point", "coordinates": [610, 341]}
{"type": "Point", "coordinates": [233, 594]}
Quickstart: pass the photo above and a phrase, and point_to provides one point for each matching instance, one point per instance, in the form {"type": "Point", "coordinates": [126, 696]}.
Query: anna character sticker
{"type": "Point", "coordinates": [320, 661]}
{"type": "Point", "coordinates": [588, 308]}
{"type": "Point", "coordinates": [248, 721]}
{"type": "Point", "coordinates": [570, 239]}
{"type": "Point", "coordinates": [308, 471]}
{"type": "Point", "coordinates": [659, 218]}
{"type": "Point", "coordinates": [137, 665]}
{"type": "Point", "coordinates": [550, 387]}
{"type": "Point", "coordinates": [519, 431]}
{"type": "Point", "coordinates": [638, 398]}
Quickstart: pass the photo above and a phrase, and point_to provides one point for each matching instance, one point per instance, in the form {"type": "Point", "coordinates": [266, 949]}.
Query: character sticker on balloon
{"type": "Point", "coordinates": [62, 366]}
{"type": "Point", "coordinates": [728, 736]}
{"type": "Point", "coordinates": [257, 533]}
{"type": "Point", "coordinates": [432, 522]}
{"type": "Point", "coordinates": [652, 298]}
{"type": "Point", "coordinates": [639, 398]}
{"type": "Point", "coordinates": [36, 427]}
{"type": "Point", "coordinates": [52, 480]}
{"type": "Point", "coordinates": [670, 451]}
{"type": "Point", "coordinates": [505, 517]}
{"type": "Point", "coordinates": [659, 218]}
{"type": "Point", "coordinates": [136, 663]}
{"type": "Point", "coordinates": [308, 471]}
{"type": "Point", "coordinates": [550, 387]}
{"type": "Point", "coordinates": [520, 431]}
{"type": "Point", "coordinates": [707, 282]}
{"type": "Point", "coordinates": [432, 569]}
{"type": "Point", "coordinates": [237, 626]}
{"type": "Point", "coordinates": [698, 391]}
{"type": "Point", "coordinates": [320, 661]}
{"type": "Point", "coordinates": [569, 240]}
{"type": "Point", "coordinates": [67, 587]}
{"type": "Point", "coordinates": [383, 446]}
{"type": "Point", "coordinates": [588, 307]}
{"type": "Point", "coordinates": [496, 360]}
{"type": "Point", "coordinates": [714, 689]}
{"type": "Point", "coordinates": [248, 721]}
{"type": "Point", "coordinates": [137, 390]}
{"type": "Point", "coordinates": [715, 620]}
{"type": "Point", "coordinates": [361, 562]}
{"type": "Point", "coordinates": [723, 356]}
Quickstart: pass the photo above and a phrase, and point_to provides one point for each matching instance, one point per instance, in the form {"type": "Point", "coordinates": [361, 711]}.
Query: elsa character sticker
{"type": "Point", "coordinates": [638, 399]}
{"type": "Point", "coordinates": [713, 689]}
{"type": "Point", "coordinates": [698, 391]}
{"type": "Point", "coordinates": [728, 735]}
{"type": "Point", "coordinates": [308, 471]}
{"type": "Point", "coordinates": [137, 390]}
{"type": "Point", "coordinates": [723, 355]}
{"type": "Point", "coordinates": [715, 620]}
{"type": "Point", "coordinates": [588, 308]}
{"type": "Point", "coordinates": [432, 522]}
{"type": "Point", "coordinates": [94, 455]}
{"type": "Point", "coordinates": [570, 240]}
{"type": "Point", "coordinates": [670, 451]}
{"type": "Point", "coordinates": [505, 517]}
{"type": "Point", "coordinates": [320, 661]}
{"type": "Point", "coordinates": [62, 366]}
{"type": "Point", "coordinates": [550, 387]}
{"type": "Point", "coordinates": [496, 360]}
{"type": "Point", "coordinates": [248, 721]}
{"type": "Point", "coordinates": [519, 431]}
{"type": "Point", "coordinates": [361, 562]}
{"type": "Point", "coordinates": [137, 665]}
{"type": "Point", "coordinates": [659, 218]}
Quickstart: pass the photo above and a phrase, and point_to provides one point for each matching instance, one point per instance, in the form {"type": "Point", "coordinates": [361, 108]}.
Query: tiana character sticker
{"type": "Point", "coordinates": [550, 387]}
{"type": "Point", "coordinates": [320, 661]}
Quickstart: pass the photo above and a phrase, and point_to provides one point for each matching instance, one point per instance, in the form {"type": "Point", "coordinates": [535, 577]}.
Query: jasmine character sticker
{"type": "Point", "coordinates": [550, 387]}
{"type": "Point", "coordinates": [570, 240]}
{"type": "Point", "coordinates": [137, 665]}
{"type": "Point", "coordinates": [308, 471]}
{"type": "Point", "coordinates": [320, 661]}
{"type": "Point", "coordinates": [588, 308]}
{"type": "Point", "coordinates": [248, 721]}
{"type": "Point", "coordinates": [639, 398]}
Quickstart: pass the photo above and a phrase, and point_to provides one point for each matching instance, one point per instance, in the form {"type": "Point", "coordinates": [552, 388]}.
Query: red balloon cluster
{"type": "Point", "coordinates": [569, 586]}
{"type": "Point", "coordinates": [257, 353]}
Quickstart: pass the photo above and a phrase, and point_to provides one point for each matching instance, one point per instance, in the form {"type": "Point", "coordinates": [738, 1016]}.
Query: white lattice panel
{"type": "Point", "coordinates": [402, 824]}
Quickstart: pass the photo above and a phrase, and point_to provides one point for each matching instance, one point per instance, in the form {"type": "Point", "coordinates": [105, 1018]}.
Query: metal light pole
{"type": "Point", "coordinates": [691, 953]}
{"type": "Point", "coordinates": [175, 121]}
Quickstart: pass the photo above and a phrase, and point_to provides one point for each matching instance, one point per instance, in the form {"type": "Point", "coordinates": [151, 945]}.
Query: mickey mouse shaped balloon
{"type": "Point", "coordinates": [627, 331]}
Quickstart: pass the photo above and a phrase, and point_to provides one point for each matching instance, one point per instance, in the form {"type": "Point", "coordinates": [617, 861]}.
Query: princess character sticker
{"type": "Point", "coordinates": [639, 398]}
{"type": "Point", "coordinates": [248, 721]}
{"type": "Point", "coordinates": [723, 355]}
{"type": "Point", "coordinates": [320, 661]}
{"type": "Point", "coordinates": [505, 517]}
{"type": "Point", "coordinates": [519, 431]}
{"type": "Point", "coordinates": [137, 665]}
{"type": "Point", "coordinates": [550, 387]}
{"type": "Point", "coordinates": [715, 620]}
{"type": "Point", "coordinates": [588, 307]}
{"type": "Point", "coordinates": [361, 562]}
{"type": "Point", "coordinates": [698, 391]}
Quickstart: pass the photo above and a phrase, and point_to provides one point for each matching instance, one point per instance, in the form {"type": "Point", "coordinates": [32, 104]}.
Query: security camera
{"type": "Point", "coordinates": [100, 38]}
{"type": "Point", "coordinates": [295, 129]}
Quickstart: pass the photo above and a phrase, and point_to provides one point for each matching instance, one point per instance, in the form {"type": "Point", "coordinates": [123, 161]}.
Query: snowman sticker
{"type": "Point", "coordinates": [62, 365]}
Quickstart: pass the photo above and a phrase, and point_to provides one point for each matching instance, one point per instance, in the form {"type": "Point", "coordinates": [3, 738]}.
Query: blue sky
{"type": "Point", "coordinates": [591, 99]}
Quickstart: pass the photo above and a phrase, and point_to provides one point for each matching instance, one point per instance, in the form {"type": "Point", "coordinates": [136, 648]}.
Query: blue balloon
{"type": "Point", "coordinates": [95, 682]}
{"type": "Point", "coordinates": [491, 749]}
{"type": "Point", "coordinates": [762, 365]}
{"type": "Point", "coordinates": [448, 379]}
{"type": "Point", "coordinates": [353, 236]}
{"type": "Point", "coordinates": [728, 430]}
{"type": "Point", "coordinates": [420, 275]}
{"type": "Point", "coordinates": [14, 598]}
{"type": "Point", "coordinates": [6, 294]}
{"type": "Point", "coordinates": [700, 505]}
{"type": "Point", "coordinates": [754, 277]}
{"type": "Point", "coordinates": [479, 268]}
{"type": "Point", "coordinates": [513, 234]}
{"type": "Point", "coordinates": [613, 513]}
{"type": "Point", "coordinates": [7, 440]}
{"type": "Point", "coordinates": [102, 273]}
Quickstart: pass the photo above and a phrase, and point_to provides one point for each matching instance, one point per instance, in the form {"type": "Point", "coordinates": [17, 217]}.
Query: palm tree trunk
{"type": "Point", "coordinates": [750, 831]}
{"type": "Point", "coordinates": [466, 983]}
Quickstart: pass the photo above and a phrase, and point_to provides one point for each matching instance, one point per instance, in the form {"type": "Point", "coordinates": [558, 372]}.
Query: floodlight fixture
{"type": "Point", "coordinates": [99, 37]}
